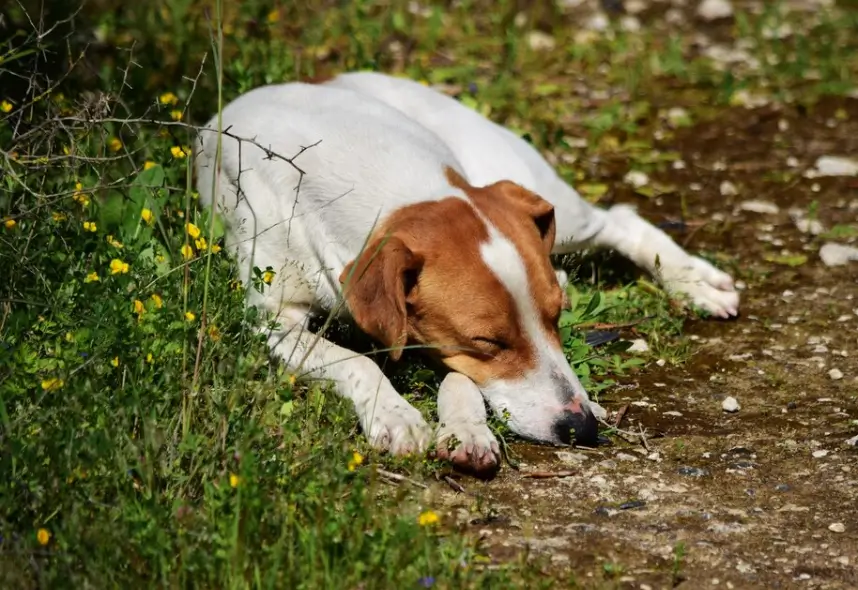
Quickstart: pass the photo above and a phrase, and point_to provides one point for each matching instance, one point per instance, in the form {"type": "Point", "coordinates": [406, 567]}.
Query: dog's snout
{"type": "Point", "coordinates": [579, 425]}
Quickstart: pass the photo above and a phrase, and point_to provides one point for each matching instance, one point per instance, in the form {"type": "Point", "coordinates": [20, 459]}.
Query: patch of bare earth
{"type": "Point", "coordinates": [766, 497]}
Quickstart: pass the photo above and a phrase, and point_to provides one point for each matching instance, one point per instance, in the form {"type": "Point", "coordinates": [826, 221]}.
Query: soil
{"type": "Point", "coordinates": [766, 497]}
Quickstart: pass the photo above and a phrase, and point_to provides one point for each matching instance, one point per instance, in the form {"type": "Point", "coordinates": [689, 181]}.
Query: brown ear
{"type": "Point", "coordinates": [375, 285]}
{"type": "Point", "coordinates": [540, 210]}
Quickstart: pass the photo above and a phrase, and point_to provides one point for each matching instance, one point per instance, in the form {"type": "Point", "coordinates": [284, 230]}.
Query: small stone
{"type": "Point", "coordinates": [626, 457]}
{"type": "Point", "coordinates": [756, 206]}
{"type": "Point", "coordinates": [819, 454]}
{"type": "Point", "coordinates": [673, 413]}
{"type": "Point", "coordinates": [852, 442]}
{"type": "Point", "coordinates": [632, 505]}
{"type": "Point", "coordinates": [835, 374]}
{"type": "Point", "coordinates": [833, 166]}
{"type": "Point", "coordinates": [730, 404]}
{"type": "Point", "coordinates": [678, 117]}
{"type": "Point", "coordinates": [597, 22]}
{"type": "Point", "coordinates": [638, 345]}
{"type": "Point", "coordinates": [571, 458]}
{"type": "Point", "coordinates": [837, 527]}
{"type": "Point", "coordinates": [539, 41]}
{"type": "Point", "coordinates": [636, 178]}
{"type": "Point", "coordinates": [782, 487]}
{"type": "Point", "coordinates": [630, 24]}
{"type": "Point", "coordinates": [692, 471]}
{"type": "Point", "coordinates": [837, 254]}
{"type": "Point", "coordinates": [710, 10]}
{"type": "Point", "coordinates": [728, 189]}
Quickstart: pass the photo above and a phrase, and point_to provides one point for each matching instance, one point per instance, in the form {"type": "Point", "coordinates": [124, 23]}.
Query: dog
{"type": "Point", "coordinates": [434, 226]}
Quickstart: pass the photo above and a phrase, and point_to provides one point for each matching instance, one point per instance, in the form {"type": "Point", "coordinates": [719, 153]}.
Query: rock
{"type": "Point", "coordinates": [833, 254]}
{"type": "Point", "coordinates": [835, 374]}
{"type": "Point", "coordinates": [626, 457]}
{"type": "Point", "coordinates": [710, 10]}
{"type": "Point", "coordinates": [571, 458]}
{"type": "Point", "coordinates": [852, 442]}
{"type": "Point", "coordinates": [728, 189]}
{"type": "Point", "coordinates": [819, 454]}
{"type": "Point", "coordinates": [782, 487]}
{"type": "Point", "coordinates": [632, 505]}
{"type": "Point", "coordinates": [630, 24]}
{"type": "Point", "coordinates": [678, 117]}
{"type": "Point", "coordinates": [833, 166]}
{"type": "Point", "coordinates": [755, 206]}
{"type": "Point", "coordinates": [692, 471]}
{"type": "Point", "coordinates": [730, 404]}
{"type": "Point", "coordinates": [636, 178]}
{"type": "Point", "coordinates": [806, 226]}
{"type": "Point", "coordinates": [837, 527]}
{"type": "Point", "coordinates": [539, 41]}
{"type": "Point", "coordinates": [638, 345]}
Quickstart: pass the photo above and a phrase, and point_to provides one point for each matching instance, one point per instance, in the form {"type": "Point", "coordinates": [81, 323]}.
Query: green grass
{"type": "Point", "coordinates": [143, 427]}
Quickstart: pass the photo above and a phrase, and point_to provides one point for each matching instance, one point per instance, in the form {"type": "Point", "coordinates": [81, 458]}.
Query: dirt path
{"type": "Point", "coordinates": [766, 497]}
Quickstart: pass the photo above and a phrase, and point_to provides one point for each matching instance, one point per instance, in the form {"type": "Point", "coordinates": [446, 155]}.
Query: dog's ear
{"type": "Point", "coordinates": [375, 286]}
{"type": "Point", "coordinates": [537, 208]}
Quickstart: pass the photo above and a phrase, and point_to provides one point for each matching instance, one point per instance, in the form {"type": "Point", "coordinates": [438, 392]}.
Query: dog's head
{"type": "Point", "coordinates": [471, 280]}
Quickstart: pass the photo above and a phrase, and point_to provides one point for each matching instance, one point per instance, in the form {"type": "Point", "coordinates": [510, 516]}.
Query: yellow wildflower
{"type": "Point", "coordinates": [201, 244]}
{"type": "Point", "coordinates": [187, 252]}
{"type": "Point", "coordinates": [176, 115]}
{"type": "Point", "coordinates": [149, 358]}
{"type": "Point", "coordinates": [355, 461]}
{"type": "Point", "coordinates": [114, 242]}
{"type": "Point", "coordinates": [179, 152]}
{"type": "Point", "coordinates": [268, 276]}
{"type": "Point", "coordinates": [149, 164]}
{"type": "Point", "coordinates": [78, 186]}
{"type": "Point", "coordinates": [138, 307]}
{"type": "Point", "coordinates": [156, 299]}
{"type": "Point", "coordinates": [115, 144]}
{"type": "Point", "coordinates": [234, 480]}
{"type": "Point", "coordinates": [146, 214]}
{"type": "Point", "coordinates": [427, 518]}
{"type": "Point", "coordinates": [273, 16]}
{"type": "Point", "coordinates": [292, 379]}
{"type": "Point", "coordinates": [52, 384]}
{"type": "Point", "coordinates": [43, 536]}
{"type": "Point", "coordinates": [234, 285]}
{"type": "Point", "coordinates": [216, 249]}
{"type": "Point", "coordinates": [189, 316]}
{"type": "Point", "coordinates": [115, 361]}
{"type": "Point", "coordinates": [91, 277]}
{"type": "Point", "coordinates": [168, 98]}
{"type": "Point", "coordinates": [5, 106]}
{"type": "Point", "coordinates": [214, 333]}
{"type": "Point", "coordinates": [117, 266]}
{"type": "Point", "coordinates": [82, 199]}
{"type": "Point", "coordinates": [193, 230]}
{"type": "Point", "coordinates": [57, 216]}
{"type": "Point", "coordinates": [89, 226]}
{"type": "Point", "coordinates": [10, 223]}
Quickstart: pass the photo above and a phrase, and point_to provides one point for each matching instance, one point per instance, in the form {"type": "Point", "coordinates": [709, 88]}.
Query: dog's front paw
{"type": "Point", "coordinates": [704, 285]}
{"type": "Point", "coordinates": [398, 428]}
{"type": "Point", "coordinates": [469, 446]}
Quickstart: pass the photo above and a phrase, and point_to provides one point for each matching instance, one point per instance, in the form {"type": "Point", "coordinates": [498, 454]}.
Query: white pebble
{"type": "Point", "coordinates": [539, 41]}
{"type": "Point", "coordinates": [833, 254]}
{"type": "Point", "coordinates": [730, 404]}
{"type": "Point", "coordinates": [755, 206]}
{"type": "Point", "coordinates": [833, 166]}
{"type": "Point", "coordinates": [638, 345]}
{"type": "Point", "coordinates": [636, 178]}
{"type": "Point", "coordinates": [728, 189]}
{"type": "Point", "coordinates": [837, 527]}
{"type": "Point", "coordinates": [819, 454]}
{"type": "Point", "coordinates": [714, 9]}
{"type": "Point", "coordinates": [835, 374]}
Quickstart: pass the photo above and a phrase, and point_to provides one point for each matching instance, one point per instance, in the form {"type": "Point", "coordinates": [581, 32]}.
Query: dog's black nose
{"type": "Point", "coordinates": [582, 426]}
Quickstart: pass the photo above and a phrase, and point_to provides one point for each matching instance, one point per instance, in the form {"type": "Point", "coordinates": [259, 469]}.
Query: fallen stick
{"type": "Point", "coordinates": [548, 474]}
{"type": "Point", "coordinates": [400, 478]}
{"type": "Point", "coordinates": [455, 484]}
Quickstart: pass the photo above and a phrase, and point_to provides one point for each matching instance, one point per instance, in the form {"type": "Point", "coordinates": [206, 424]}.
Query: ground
{"type": "Point", "coordinates": [146, 439]}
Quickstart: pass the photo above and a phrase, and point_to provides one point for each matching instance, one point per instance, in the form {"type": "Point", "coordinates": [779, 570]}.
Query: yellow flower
{"type": "Point", "coordinates": [138, 307]}
{"type": "Point", "coordinates": [91, 277]}
{"type": "Point", "coordinates": [117, 266]}
{"type": "Point", "coordinates": [234, 285]}
{"type": "Point", "coordinates": [187, 252]}
{"type": "Point", "coordinates": [355, 461]}
{"type": "Point", "coordinates": [215, 249]}
{"type": "Point", "coordinates": [214, 333]}
{"type": "Point", "coordinates": [201, 244]}
{"type": "Point", "coordinates": [57, 216]}
{"type": "Point", "coordinates": [427, 518]}
{"type": "Point", "coordinates": [149, 164]}
{"type": "Point", "coordinates": [292, 379]}
{"type": "Point", "coordinates": [176, 115]}
{"type": "Point", "coordinates": [10, 223]}
{"type": "Point", "coordinates": [149, 358]}
{"type": "Point", "coordinates": [114, 144]}
{"type": "Point", "coordinates": [156, 299]}
{"type": "Point", "coordinates": [193, 230]}
{"type": "Point", "coordinates": [89, 226]}
{"type": "Point", "coordinates": [179, 152]}
{"type": "Point", "coordinates": [114, 242]}
{"type": "Point", "coordinates": [146, 214]}
{"type": "Point", "coordinates": [115, 361]}
{"type": "Point", "coordinates": [82, 199]}
{"type": "Point", "coordinates": [268, 276]}
{"type": "Point", "coordinates": [78, 186]}
{"type": "Point", "coordinates": [52, 384]}
{"type": "Point", "coordinates": [5, 106]}
{"type": "Point", "coordinates": [189, 316]}
{"type": "Point", "coordinates": [168, 98]}
{"type": "Point", "coordinates": [43, 536]}
{"type": "Point", "coordinates": [273, 16]}
{"type": "Point", "coordinates": [234, 480]}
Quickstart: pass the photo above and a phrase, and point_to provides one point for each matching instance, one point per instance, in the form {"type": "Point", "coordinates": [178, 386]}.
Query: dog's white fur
{"type": "Point", "coordinates": [385, 143]}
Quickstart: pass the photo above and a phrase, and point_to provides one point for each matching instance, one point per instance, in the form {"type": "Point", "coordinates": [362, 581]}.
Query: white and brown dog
{"type": "Point", "coordinates": [435, 225]}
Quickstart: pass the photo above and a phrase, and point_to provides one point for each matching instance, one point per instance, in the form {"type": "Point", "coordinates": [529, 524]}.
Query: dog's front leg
{"type": "Point", "coordinates": [464, 437]}
{"type": "Point", "coordinates": [388, 421]}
